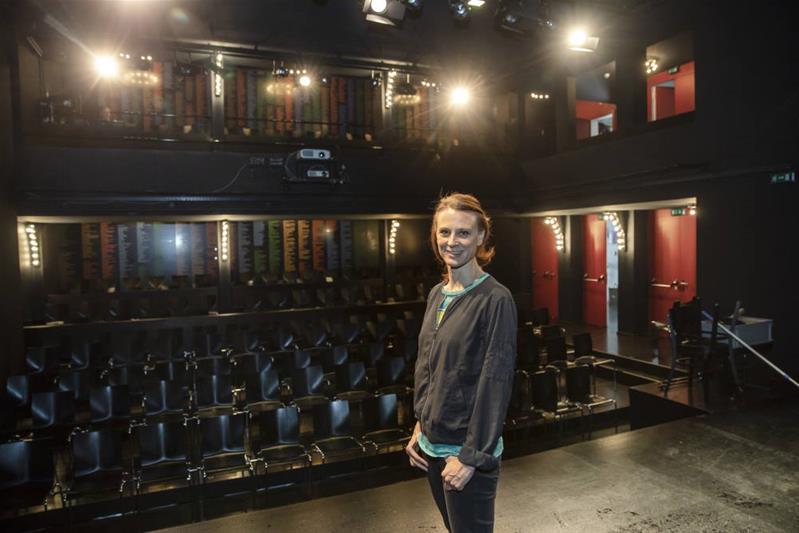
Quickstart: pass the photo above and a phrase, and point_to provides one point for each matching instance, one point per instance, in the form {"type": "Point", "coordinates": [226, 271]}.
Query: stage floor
{"type": "Point", "coordinates": [737, 472]}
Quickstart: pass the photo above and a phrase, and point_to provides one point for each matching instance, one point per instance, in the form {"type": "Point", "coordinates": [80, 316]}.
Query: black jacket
{"type": "Point", "coordinates": [464, 370]}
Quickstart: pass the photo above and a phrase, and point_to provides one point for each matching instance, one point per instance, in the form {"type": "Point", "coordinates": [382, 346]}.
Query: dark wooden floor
{"type": "Point", "coordinates": [635, 346]}
{"type": "Point", "coordinates": [736, 472]}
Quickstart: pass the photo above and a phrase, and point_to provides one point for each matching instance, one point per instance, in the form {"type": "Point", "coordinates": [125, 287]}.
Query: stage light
{"type": "Point", "coordinates": [378, 6]}
{"type": "Point", "coordinates": [414, 5]}
{"type": "Point", "coordinates": [459, 96]}
{"type": "Point", "coordinates": [33, 245]}
{"type": "Point", "coordinates": [459, 10]}
{"type": "Point", "coordinates": [476, 3]}
{"type": "Point", "coordinates": [387, 12]}
{"type": "Point", "coordinates": [579, 41]}
{"type": "Point", "coordinates": [651, 64]}
{"type": "Point", "coordinates": [557, 230]}
{"type": "Point", "coordinates": [305, 80]}
{"type": "Point", "coordinates": [225, 244]}
{"type": "Point", "coordinates": [106, 66]}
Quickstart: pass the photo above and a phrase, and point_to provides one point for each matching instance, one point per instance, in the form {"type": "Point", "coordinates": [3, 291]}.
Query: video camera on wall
{"type": "Point", "coordinates": [314, 165]}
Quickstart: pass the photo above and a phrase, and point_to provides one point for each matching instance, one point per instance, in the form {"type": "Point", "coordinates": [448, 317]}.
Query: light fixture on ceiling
{"type": "Point", "coordinates": [386, 12]}
{"type": "Point", "coordinates": [459, 96]}
{"type": "Point", "coordinates": [414, 5]}
{"type": "Point", "coordinates": [651, 65]}
{"type": "Point", "coordinates": [106, 66]}
{"type": "Point", "coordinates": [578, 40]}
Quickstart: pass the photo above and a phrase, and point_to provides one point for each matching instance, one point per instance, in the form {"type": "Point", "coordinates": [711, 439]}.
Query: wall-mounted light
{"type": "Point", "coordinates": [539, 96]}
{"type": "Point", "coordinates": [651, 64]}
{"type": "Point", "coordinates": [554, 223]}
{"type": "Point", "coordinates": [33, 245]}
{"type": "Point", "coordinates": [392, 237]}
{"type": "Point", "coordinates": [224, 253]}
{"type": "Point", "coordinates": [615, 221]}
{"type": "Point", "coordinates": [692, 210]}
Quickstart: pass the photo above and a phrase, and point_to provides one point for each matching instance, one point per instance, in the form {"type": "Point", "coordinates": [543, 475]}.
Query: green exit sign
{"type": "Point", "coordinates": [678, 211]}
{"type": "Point", "coordinates": [674, 70]}
{"type": "Point", "coordinates": [784, 177]}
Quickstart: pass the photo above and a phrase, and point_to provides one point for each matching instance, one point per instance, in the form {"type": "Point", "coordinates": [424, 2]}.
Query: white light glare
{"type": "Point", "coordinates": [577, 37]}
{"type": "Point", "coordinates": [476, 3]}
{"type": "Point", "coordinates": [106, 66]}
{"type": "Point", "coordinates": [305, 80]}
{"type": "Point", "coordinates": [379, 6]}
{"type": "Point", "coordinates": [459, 96]}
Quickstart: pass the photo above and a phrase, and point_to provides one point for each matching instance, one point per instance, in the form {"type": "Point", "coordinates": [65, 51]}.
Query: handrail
{"type": "Point", "coordinates": [755, 352]}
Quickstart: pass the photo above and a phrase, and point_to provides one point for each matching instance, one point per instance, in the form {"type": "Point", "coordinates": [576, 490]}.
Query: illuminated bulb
{"type": "Point", "coordinates": [106, 66]}
{"type": "Point", "coordinates": [459, 96]}
{"type": "Point", "coordinates": [379, 6]}
{"type": "Point", "coordinates": [577, 37]}
{"type": "Point", "coordinates": [305, 80]}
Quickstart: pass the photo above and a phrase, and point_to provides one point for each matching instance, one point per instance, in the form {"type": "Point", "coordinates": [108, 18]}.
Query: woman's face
{"type": "Point", "coordinates": [457, 236]}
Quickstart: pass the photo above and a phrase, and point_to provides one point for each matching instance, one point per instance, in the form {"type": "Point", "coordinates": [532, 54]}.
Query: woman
{"type": "Point", "coordinates": [464, 370]}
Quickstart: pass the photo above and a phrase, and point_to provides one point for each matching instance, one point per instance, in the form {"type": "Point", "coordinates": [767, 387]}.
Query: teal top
{"type": "Point", "coordinates": [445, 450]}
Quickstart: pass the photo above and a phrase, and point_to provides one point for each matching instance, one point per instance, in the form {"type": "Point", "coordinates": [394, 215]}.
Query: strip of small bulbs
{"type": "Point", "coordinates": [651, 65]}
{"type": "Point", "coordinates": [33, 245]}
{"type": "Point", "coordinates": [392, 74]}
{"type": "Point", "coordinates": [392, 238]}
{"type": "Point", "coordinates": [219, 81]}
{"type": "Point", "coordinates": [539, 96]}
{"type": "Point", "coordinates": [615, 221]}
{"type": "Point", "coordinates": [554, 223]}
{"type": "Point", "coordinates": [225, 244]}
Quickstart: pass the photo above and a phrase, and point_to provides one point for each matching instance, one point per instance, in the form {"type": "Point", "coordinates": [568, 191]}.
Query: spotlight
{"type": "Point", "coordinates": [375, 81]}
{"type": "Point", "coordinates": [305, 80]}
{"type": "Point", "coordinates": [106, 66]}
{"type": "Point", "coordinates": [414, 5]}
{"type": "Point", "coordinates": [459, 96]}
{"type": "Point", "coordinates": [579, 41]}
{"type": "Point", "coordinates": [460, 11]}
{"type": "Point", "coordinates": [476, 3]}
{"type": "Point", "coordinates": [388, 12]}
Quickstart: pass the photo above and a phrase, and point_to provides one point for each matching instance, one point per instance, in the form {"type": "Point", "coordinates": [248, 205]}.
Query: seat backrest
{"type": "Point", "coordinates": [391, 371]}
{"type": "Point", "coordinates": [545, 389]}
{"type": "Point", "coordinates": [380, 412]}
{"type": "Point", "coordinates": [528, 347]}
{"type": "Point", "coordinates": [18, 390]}
{"type": "Point", "coordinates": [308, 381]}
{"type": "Point", "coordinates": [331, 419]}
{"type": "Point", "coordinates": [556, 349]}
{"type": "Point", "coordinates": [96, 452]}
{"type": "Point", "coordinates": [582, 344]}
{"type": "Point", "coordinates": [280, 426]}
{"type": "Point", "coordinates": [551, 332]}
{"type": "Point", "coordinates": [133, 376]}
{"type": "Point", "coordinates": [214, 391]}
{"type": "Point", "coordinates": [25, 462]}
{"type": "Point", "coordinates": [42, 359]}
{"type": "Point", "coordinates": [79, 382]}
{"type": "Point", "coordinates": [578, 383]}
{"type": "Point", "coordinates": [162, 442]}
{"type": "Point", "coordinates": [540, 316]}
{"type": "Point", "coordinates": [301, 359]}
{"type": "Point", "coordinates": [520, 399]}
{"type": "Point", "coordinates": [52, 409]}
{"type": "Point", "coordinates": [163, 397]}
{"type": "Point", "coordinates": [335, 356]}
{"type": "Point", "coordinates": [111, 402]}
{"type": "Point", "coordinates": [263, 386]}
{"type": "Point", "coordinates": [214, 366]}
{"type": "Point", "coordinates": [351, 376]}
{"type": "Point", "coordinates": [222, 434]}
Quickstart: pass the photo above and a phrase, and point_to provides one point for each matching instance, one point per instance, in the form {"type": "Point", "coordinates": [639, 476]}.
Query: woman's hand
{"type": "Point", "coordinates": [416, 460]}
{"type": "Point", "coordinates": [456, 474]}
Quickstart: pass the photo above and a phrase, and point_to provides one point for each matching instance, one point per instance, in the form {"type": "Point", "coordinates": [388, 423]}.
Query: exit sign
{"type": "Point", "coordinates": [674, 70]}
{"type": "Point", "coordinates": [678, 211]}
{"type": "Point", "coordinates": [784, 177]}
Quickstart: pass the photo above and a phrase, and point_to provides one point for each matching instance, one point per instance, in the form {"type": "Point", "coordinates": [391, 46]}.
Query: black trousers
{"type": "Point", "coordinates": [470, 510]}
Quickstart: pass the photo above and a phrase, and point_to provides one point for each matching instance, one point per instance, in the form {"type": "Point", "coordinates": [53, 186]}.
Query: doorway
{"type": "Point", "coordinates": [545, 266]}
{"type": "Point", "coordinates": [612, 269]}
{"type": "Point", "coordinates": [595, 295]}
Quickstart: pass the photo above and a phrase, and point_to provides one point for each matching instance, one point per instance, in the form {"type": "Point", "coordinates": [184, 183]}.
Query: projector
{"type": "Point", "coordinates": [309, 153]}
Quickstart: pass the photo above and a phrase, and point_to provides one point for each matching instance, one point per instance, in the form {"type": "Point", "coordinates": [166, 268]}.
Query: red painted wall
{"type": "Point", "coordinates": [684, 92]}
{"type": "Point", "coordinates": [587, 110]}
{"type": "Point", "coordinates": [673, 257]}
{"type": "Point", "coordinates": [595, 298]}
{"type": "Point", "coordinates": [545, 267]}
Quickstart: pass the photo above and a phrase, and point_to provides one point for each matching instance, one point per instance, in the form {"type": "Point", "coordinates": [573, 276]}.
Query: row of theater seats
{"type": "Point", "coordinates": [163, 455]}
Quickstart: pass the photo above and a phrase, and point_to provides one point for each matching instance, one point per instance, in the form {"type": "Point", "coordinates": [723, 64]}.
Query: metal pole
{"type": "Point", "coordinates": [762, 357]}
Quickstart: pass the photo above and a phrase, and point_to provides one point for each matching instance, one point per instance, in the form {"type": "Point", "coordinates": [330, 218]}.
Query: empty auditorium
{"type": "Point", "coordinates": [467, 266]}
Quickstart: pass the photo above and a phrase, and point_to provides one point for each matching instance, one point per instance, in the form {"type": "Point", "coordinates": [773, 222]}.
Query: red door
{"type": "Point", "coordinates": [595, 298]}
{"type": "Point", "coordinates": [673, 264]}
{"type": "Point", "coordinates": [545, 267]}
